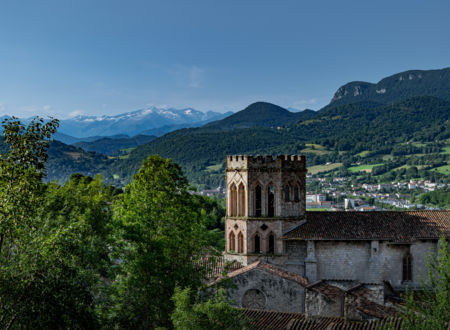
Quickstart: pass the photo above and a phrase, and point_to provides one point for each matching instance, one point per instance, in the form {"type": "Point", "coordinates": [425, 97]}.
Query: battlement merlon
{"type": "Point", "coordinates": [245, 162]}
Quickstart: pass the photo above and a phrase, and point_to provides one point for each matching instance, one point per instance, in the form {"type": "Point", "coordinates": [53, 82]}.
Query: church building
{"type": "Point", "coordinates": [345, 264]}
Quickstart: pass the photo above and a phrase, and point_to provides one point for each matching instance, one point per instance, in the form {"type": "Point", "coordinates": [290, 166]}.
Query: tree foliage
{"type": "Point", "coordinates": [193, 311]}
{"type": "Point", "coordinates": [430, 308]}
{"type": "Point", "coordinates": [164, 237]}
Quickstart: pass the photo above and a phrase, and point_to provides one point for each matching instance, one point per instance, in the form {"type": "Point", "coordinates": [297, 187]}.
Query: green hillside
{"type": "Point", "coordinates": [260, 114]}
{"type": "Point", "coordinates": [108, 146]}
{"type": "Point", "coordinates": [334, 135]}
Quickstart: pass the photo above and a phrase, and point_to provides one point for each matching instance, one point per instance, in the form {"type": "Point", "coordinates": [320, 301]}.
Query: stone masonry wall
{"type": "Point", "coordinates": [280, 294]}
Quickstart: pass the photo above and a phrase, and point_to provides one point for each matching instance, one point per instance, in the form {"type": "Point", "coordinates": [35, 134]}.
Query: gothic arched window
{"type": "Point", "coordinates": [240, 243]}
{"type": "Point", "coordinates": [296, 191]}
{"type": "Point", "coordinates": [407, 268]}
{"type": "Point", "coordinates": [258, 201]}
{"type": "Point", "coordinates": [286, 193]}
{"type": "Point", "coordinates": [231, 242]}
{"type": "Point", "coordinates": [270, 201]}
{"type": "Point", "coordinates": [257, 242]}
{"type": "Point", "coordinates": [233, 200]}
{"type": "Point", "coordinates": [241, 193]}
{"type": "Point", "coordinates": [271, 243]}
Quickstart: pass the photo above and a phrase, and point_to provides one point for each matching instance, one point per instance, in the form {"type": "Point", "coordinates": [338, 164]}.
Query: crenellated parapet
{"type": "Point", "coordinates": [247, 162]}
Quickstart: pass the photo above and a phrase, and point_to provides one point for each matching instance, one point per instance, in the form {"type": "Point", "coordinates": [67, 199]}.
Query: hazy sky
{"type": "Point", "coordinates": [107, 57]}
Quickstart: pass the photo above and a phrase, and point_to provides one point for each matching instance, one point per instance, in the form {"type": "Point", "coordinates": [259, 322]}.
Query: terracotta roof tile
{"type": "Point", "coordinates": [263, 319]}
{"type": "Point", "coordinates": [400, 226]}
{"type": "Point", "coordinates": [271, 269]}
{"type": "Point", "coordinates": [331, 291]}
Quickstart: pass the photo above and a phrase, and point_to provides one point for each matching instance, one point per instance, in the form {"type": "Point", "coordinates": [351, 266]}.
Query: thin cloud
{"type": "Point", "coordinates": [196, 76]}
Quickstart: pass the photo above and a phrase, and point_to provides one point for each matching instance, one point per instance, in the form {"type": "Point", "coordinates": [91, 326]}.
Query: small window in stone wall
{"type": "Point", "coordinates": [296, 196]}
{"type": "Point", "coordinates": [270, 201]}
{"type": "Point", "coordinates": [257, 244]}
{"type": "Point", "coordinates": [257, 201]}
{"type": "Point", "coordinates": [407, 268]}
{"type": "Point", "coordinates": [253, 299]}
{"type": "Point", "coordinates": [286, 193]}
{"type": "Point", "coordinates": [240, 243]}
{"type": "Point", "coordinates": [271, 244]}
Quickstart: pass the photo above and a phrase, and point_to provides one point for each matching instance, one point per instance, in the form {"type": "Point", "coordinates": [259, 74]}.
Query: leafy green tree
{"type": "Point", "coordinates": [430, 308]}
{"type": "Point", "coordinates": [192, 311]}
{"type": "Point", "coordinates": [54, 239]}
{"type": "Point", "coordinates": [164, 238]}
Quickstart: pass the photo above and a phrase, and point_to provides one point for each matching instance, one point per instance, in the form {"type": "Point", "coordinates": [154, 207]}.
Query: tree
{"type": "Point", "coordinates": [194, 311]}
{"type": "Point", "coordinates": [430, 308]}
{"type": "Point", "coordinates": [164, 237]}
{"type": "Point", "coordinates": [54, 239]}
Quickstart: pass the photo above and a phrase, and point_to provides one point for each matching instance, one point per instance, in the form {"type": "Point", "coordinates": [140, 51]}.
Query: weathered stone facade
{"type": "Point", "coordinates": [266, 220]}
{"type": "Point", "coordinates": [265, 199]}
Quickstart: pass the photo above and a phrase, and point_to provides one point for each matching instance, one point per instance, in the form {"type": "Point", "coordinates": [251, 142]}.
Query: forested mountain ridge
{"type": "Point", "coordinates": [410, 134]}
{"type": "Point", "coordinates": [260, 114]}
{"type": "Point", "coordinates": [108, 146]}
{"type": "Point", "coordinates": [338, 134]}
{"type": "Point", "coordinates": [397, 87]}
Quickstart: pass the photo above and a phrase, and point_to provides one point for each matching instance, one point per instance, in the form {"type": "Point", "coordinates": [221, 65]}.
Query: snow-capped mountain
{"type": "Point", "coordinates": [135, 122]}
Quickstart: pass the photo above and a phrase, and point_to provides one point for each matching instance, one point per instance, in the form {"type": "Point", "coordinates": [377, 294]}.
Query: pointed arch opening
{"type": "Point", "coordinates": [240, 243]}
{"type": "Point", "coordinates": [258, 201]}
{"type": "Point", "coordinates": [257, 244]}
{"type": "Point", "coordinates": [407, 268]}
{"type": "Point", "coordinates": [241, 195]}
{"type": "Point", "coordinates": [231, 242]}
{"type": "Point", "coordinates": [233, 200]}
{"type": "Point", "coordinates": [286, 192]}
{"type": "Point", "coordinates": [271, 243]}
{"type": "Point", "coordinates": [270, 201]}
{"type": "Point", "coordinates": [296, 193]}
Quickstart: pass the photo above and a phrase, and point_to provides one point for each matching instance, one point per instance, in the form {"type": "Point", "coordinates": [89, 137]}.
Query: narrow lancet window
{"type": "Point", "coordinates": [296, 196]}
{"type": "Point", "coordinates": [241, 193]}
{"type": "Point", "coordinates": [257, 244]}
{"type": "Point", "coordinates": [286, 193]}
{"type": "Point", "coordinates": [407, 268]}
{"type": "Point", "coordinates": [257, 201]}
{"type": "Point", "coordinates": [231, 242]}
{"type": "Point", "coordinates": [233, 201]}
{"type": "Point", "coordinates": [270, 201]}
{"type": "Point", "coordinates": [240, 243]}
{"type": "Point", "coordinates": [271, 244]}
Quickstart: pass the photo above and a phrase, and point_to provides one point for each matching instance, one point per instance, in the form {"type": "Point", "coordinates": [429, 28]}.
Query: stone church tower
{"type": "Point", "coordinates": [266, 197]}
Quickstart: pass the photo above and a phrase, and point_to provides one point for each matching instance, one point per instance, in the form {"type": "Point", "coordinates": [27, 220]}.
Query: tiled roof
{"type": "Point", "coordinates": [263, 319]}
{"type": "Point", "coordinates": [271, 269]}
{"type": "Point", "coordinates": [400, 226]}
{"type": "Point", "coordinates": [331, 291]}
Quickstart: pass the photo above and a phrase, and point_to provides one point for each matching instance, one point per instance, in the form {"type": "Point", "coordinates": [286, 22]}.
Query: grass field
{"type": "Point", "coordinates": [446, 150]}
{"type": "Point", "coordinates": [315, 149]}
{"type": "Point", "coordinates": [443, 169]}
{"type": "Point", "coordinates": [363, 153]}
{"type": "Point", "coordinates": [323, 168]}
{"type": "Point", "coordinates": [214, 168]}
{"type": "Point", "coordinates": [363, 168]}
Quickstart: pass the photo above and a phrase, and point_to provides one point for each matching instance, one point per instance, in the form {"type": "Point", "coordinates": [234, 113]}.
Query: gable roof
{"type": "Point", "coordinates": [399, 226]}
{"type": "Point", "coordinates": [331, 291]}
{"type": "Point", "coordinates": [261, 265]}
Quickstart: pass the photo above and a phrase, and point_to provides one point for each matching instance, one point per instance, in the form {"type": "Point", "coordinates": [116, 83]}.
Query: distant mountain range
{"type": "Point", "coordinates": [401, 122]}
{"type": "Point", "coordinates": [135, 122]}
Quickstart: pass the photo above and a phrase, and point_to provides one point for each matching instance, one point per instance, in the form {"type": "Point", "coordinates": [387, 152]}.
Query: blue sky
{"type": "Point", "coordinates": [107, 57]}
